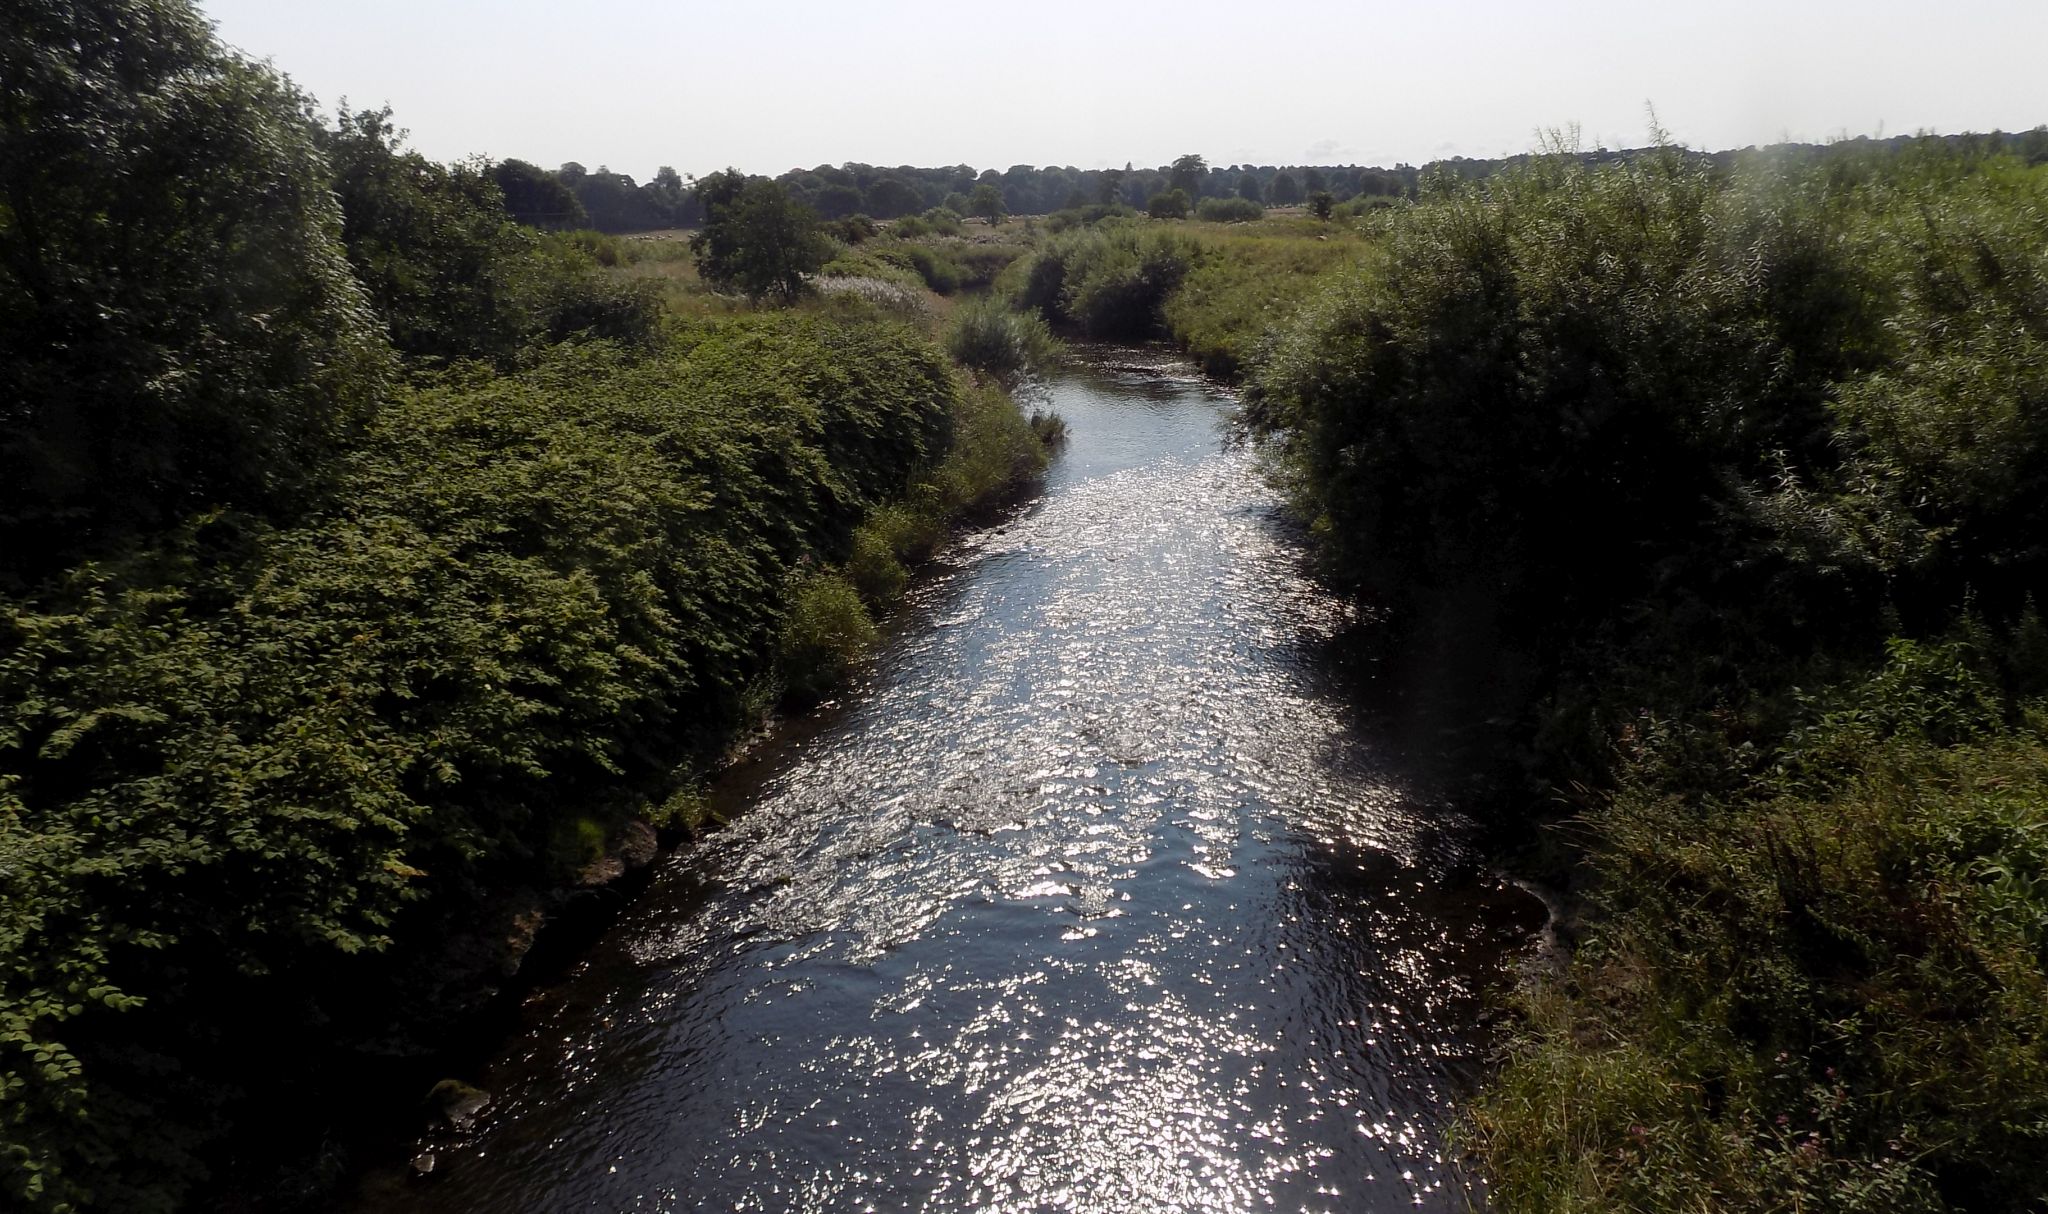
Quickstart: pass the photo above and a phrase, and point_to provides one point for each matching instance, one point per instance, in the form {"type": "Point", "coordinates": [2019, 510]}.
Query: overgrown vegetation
{"type": "Point", "coordinates": [1008, 346]}
{"type": "Point", "coordinates": [1635, 453]}
{"type": "Point", "coordinates": [368, 559]}
{"type": "Point", "coordinates": [756, 239]}
{"type": "Point", "coordinates": [1111, 280]}
{"type": "Point", "coordinates": [451, 274]}
{"type": "Point", "coordinates": [1819, 989]}
{"type": "Point", "coordinates": [1218, 290]}
{"type": "Point", "coordinates": [154, 363]}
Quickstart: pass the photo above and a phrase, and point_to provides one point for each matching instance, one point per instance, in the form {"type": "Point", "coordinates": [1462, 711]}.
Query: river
{"type": "Point", "coordinates": [1093, 896]}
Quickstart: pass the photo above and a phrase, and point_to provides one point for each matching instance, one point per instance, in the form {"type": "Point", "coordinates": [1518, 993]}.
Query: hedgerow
{"type": "Point", "coordinates": [241, 769]}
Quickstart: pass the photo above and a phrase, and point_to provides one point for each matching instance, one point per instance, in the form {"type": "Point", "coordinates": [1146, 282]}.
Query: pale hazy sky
{"type": "Point", "coordinates": [634, 84]}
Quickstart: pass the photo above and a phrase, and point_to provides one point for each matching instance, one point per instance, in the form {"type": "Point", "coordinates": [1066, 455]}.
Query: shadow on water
{"type": "Point", "coordinates": [1096, 896]}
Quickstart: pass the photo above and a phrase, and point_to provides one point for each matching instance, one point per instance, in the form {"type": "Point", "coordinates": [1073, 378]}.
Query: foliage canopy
{"type": "Point", "coordinates": [183, 329]}
{"type": "Point", "coordinates": [756, 239]}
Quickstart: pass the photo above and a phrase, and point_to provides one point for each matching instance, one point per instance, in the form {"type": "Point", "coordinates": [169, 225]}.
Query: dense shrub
{"type": "Point", "coordinates": [1825, 989]}
{"type": "Point", "coordinates": [1171, 204]}
{"type": "Point", "coordinates": [756, 239]}
{"type": "Point", "coordinates": [854, 229]}
{"type": "Point", "coordinates": [1244, 288]}
{"type": "Point", "coordinates": [537, 198]}
{"type": "Point", "coordinates": [825, 634]}
{"type": "Point", "coordinates": [233, 775]}
{"type": "Point", "coordinates": [449, 271]}
{"type": "Point", "coordinates": [980, 265]}
{"type": "Point", "coordinates": [995, 454]}
{"type": "Point", "coordinates": [1229, 210]}
{"type": "Point", "coordinates": [1088, 216]}
{"type": "Point", "coordinates": [1564, 389]}
{"type": "Point", "coordinates": [874, 261]}
{"type": "Point", "coordinates": [1652, 446]}
{"type": "Point", "coordinates": [1110, 281]}
{"type": "Point", "coordinates": [1006, 345]}
{"type": "Point", "coordinates": [936, 268]}
{"type": "Point", "coordinates": [182, 330]}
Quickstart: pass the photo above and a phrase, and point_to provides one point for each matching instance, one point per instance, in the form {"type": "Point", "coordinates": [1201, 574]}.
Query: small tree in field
{"type": "Point", "coordinates": [756, 238]}
{"type": "Point", "coordinates": [1322, 203]}
{"type": "Point", "coordinates": [1173, 204]}
{"type": "Point", "coordinates": [987, 202]}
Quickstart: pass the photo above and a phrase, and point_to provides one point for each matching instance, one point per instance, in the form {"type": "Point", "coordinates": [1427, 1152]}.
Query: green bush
{"type": "Point", "coordinates": [854, 229]}
{"type": "Point", "coordinates": [826, 633]}
{"type": "Point", "coordinates": [611, 252]}
{"type": "Point", "coordinates": [450, 273]}
{"type": "Point", "coordinates": [1008, 346]}
{"type": "Point", "coordinates": [979, 265]}
{"type": "Point", "coordinates": [1825, 990]}
{"type": "Point", "coordinates": [937, 269]}
{"type": "Point", "coordinates": [874, 569]}
{"type": "Point", "coordinates": [1110, 281]}
{"type": "Point", "coordinates": [243, 781]}
{"type": "Point", "coordinates": [757, 239]}
{"type": "Point", "coordinates": [1087, 217]}
{"type": "Point", "coordinates": [1647, 448]}
{"type": "Point", "coordinates": [182, 329]}
{"type": "Point", "coordinates": [1172, 204]}
{"type": "Point", "coordinates": [1229, 210]}
{"type": "Point", "coordinates": [995, 455]}
{"type": "Point", "coordinates": [1244, 288]}
{"type": "Point", "coordinates": [1562, 389]}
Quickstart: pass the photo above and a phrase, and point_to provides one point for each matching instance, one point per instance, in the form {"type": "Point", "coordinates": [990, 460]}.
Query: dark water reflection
{"type": "Point", "coordinates": [1092, 900]}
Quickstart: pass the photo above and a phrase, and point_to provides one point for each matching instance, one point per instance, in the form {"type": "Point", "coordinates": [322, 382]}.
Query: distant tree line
{"type": "Point", "coordinates": [575, 197]}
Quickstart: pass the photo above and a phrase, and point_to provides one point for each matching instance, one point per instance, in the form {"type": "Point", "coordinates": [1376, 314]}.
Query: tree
{"type": "Point", "coordinates": [1322, 203]}
{"type": "Point", "coordinates": [443, 263]}
{"type": "Point", "coordinates": [1286, 190]}
{"type": "Point", "coordinates": [1313, 180]}
{"type": "Point", "coordinates": [181, 328]}
{"type": "Point", "coordinates": [617, 204]}
{"type": "Point", "coordinates": [1186, 175]}
{"type": "Point", "coordinates": [756, 238]}
{"type": "Point", "coordinates": [536, 197]}
{"type": "Point", "coordinates": [838, 200]}
{"type": "Point", "coordinates": [1248, 188]}
{"type": "Point", "coordinates": [1109, 189]}
{"type": "Point", "coordinates": [1173, 204]}
{"type": "Point", "coordinates": [987, 202]}
{"type": "Point", "coordinates": [890, 198]}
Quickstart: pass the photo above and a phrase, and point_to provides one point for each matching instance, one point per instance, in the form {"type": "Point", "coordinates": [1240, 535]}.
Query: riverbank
{"type": "Point", "coordinates": [538, 606]}
{"type": "Point", "coordinates": [1099, 793]}
{"type": "Point", "coordinates": [1702, 492]}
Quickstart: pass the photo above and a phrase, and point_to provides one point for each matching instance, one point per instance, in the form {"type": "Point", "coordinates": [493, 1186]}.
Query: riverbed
{"type": "Point", "coordinates": [1094, 894]}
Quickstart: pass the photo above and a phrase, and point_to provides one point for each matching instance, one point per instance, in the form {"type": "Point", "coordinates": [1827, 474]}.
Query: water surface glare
{"type": "Point", "coordinates": [1093, 898]}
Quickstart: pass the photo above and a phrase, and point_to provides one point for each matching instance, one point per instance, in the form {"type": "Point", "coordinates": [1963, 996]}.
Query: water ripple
{"type": "Point", "coordinates": [1093, 900]}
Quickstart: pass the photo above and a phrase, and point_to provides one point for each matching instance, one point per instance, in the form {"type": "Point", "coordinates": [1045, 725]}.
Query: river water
{"type": "Point", "coordinates": [1093, 897]}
